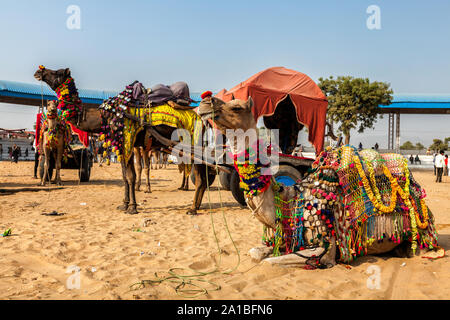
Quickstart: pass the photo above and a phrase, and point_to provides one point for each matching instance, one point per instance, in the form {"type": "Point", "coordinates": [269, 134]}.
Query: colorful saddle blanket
{"type": "Point", "coordinates": [161, 115]}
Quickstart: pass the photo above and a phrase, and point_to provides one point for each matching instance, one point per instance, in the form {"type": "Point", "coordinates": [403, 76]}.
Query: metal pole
{"type": "Point", "coordinates": [397, 146]}
{"type": "Point", "coordinates": [389, 131]}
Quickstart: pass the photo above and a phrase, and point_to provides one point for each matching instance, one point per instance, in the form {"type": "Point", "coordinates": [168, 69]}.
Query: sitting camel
{"type": "Point", "coordinates": [55, 136]}
{"type": "Point", "coordinates": [337, 212]}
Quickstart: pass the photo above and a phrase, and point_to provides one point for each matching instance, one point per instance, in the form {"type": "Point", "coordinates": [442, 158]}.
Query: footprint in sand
{"type": "Point", "coordinates": [202, 264]}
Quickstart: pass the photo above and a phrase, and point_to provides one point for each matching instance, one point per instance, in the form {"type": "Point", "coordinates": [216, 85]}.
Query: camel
{"type": "Point", "coordinates": [91, 120]}
{"type": "Point", "coordinates": [54, 137]}
{"type": "Point", "coordinates": [142, 140]}
{"type": "Point", "coordinates": [143, 157]}
{"type": "Point", "coordinates": [321, 234]}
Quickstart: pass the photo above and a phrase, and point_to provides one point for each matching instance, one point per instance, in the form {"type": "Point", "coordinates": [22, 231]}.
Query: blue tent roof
{"type": "Point", "coordinates": [34, 91]}
{"type": "Point", "coordinates": [419, 101]}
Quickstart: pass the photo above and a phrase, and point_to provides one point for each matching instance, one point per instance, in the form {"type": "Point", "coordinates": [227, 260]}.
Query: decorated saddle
{"type": "Point", "coordinates": [119, 132]}
{"type": "Point", "coordinates": [161, 115]}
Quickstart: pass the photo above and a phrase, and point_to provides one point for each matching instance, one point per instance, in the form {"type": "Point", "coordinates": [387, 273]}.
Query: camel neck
{"type": "Point", "coordinates": [253, 169]}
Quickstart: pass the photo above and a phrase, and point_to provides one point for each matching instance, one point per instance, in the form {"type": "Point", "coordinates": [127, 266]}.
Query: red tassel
{"type": "Point", "coordinates": [206, 94]}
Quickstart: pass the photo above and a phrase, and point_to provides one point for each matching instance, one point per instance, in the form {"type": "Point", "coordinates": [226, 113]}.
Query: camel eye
{"type": "Point", "coordinates": [236, 109]}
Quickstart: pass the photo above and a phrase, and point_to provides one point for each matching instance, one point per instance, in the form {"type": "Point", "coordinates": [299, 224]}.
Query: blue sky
{"type": "Point", "coordinates": [217, 44]}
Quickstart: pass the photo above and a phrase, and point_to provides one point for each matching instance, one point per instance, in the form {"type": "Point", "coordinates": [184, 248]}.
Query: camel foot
{"type": "Point", "coordinates": [137, 188]}
{"type": "Point", "coordinates": [191, 212]}
{"type": "Point", "coordinates": [132, 209]}
{"type": "Point", "coordinates": [123, 207]}
{"type": "Point", "coordinates": [148, 191]}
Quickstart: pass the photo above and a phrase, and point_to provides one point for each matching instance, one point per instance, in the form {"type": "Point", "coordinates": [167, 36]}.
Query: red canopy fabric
{"type": "Point", "coordinates": [267, 88]}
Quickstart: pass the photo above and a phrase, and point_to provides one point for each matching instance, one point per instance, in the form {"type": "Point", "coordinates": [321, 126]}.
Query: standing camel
{"type": "Point", "coordinates": [91, 120]}
{"type": "Point", "coordinates": [324, 220]}
{"type": "Point", "coordinates": [55, 136]}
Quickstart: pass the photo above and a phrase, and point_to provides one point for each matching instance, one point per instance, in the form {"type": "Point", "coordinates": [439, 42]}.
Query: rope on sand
{"type": "Point", "coordinates": [192, 285]}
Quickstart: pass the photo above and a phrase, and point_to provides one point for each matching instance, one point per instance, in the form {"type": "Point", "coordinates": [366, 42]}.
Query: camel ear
{"type": "Point", "coordinates": [67, 72]}
{"type": "Point", "coordinates": [250, 103]}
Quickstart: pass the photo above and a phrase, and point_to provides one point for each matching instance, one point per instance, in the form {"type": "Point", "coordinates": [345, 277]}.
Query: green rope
{"type": "Point", "coordinates": [187, 285]}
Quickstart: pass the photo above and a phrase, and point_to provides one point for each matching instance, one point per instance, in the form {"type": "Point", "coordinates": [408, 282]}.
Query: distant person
{"type": "Point", "coordinates": [439, 164]}
{"type": "Point", "coordinates": [446, 165]}
{"type": "Point", "coordinates": [434, 162]}
{"type": "Point", "coordinates": [1, 152]}
{"type": "Point", "coordinates": [376, 146]}
{"type": "Point", "coordinates": [360, 146]}
{"type": "Point", "coordinates": [100, 151]}
{"type": "Point", "coordinates": [26, 153]}
{"type": "Point", "coordinates": [15, 153]}
{"type": "Point", "coordinates": [411, 159]}
{"type": "Point", "coordinates": [36, 159]}
{"type": "Point", "coordinates": [428, 152]}
{"type": "Point", "coordinates": [417, 160]}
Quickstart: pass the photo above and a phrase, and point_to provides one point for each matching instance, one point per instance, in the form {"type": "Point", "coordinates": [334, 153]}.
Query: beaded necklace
{"type": "Point", "coordinates": [254, 176]}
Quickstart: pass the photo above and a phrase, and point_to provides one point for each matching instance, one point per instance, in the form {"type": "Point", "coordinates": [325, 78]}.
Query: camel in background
{"type": "Point", "coordinates": [89, 118]}
{"type": "Point", "coordinates": [54, 135]}
{"type": "Point", "coordinates": [142, 161]}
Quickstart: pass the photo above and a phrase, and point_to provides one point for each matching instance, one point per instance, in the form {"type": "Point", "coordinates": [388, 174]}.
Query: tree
{"type": "Point", "coordinates": [354, 102]}
{"type": "Point", "coordinates": [419, 146]}
{"type": "Point", "coordinates": [438, 145]}
{"type": "Point", "coordinates": [407, 146]}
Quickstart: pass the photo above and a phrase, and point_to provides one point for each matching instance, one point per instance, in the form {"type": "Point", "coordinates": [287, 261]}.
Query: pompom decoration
{"type": "Point", "coordinates": [206, 94]}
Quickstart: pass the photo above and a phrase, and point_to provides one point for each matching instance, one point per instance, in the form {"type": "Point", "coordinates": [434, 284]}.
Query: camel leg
{"type": "Point", "coordinates": [329, 258]}
{"type": "Point", "coordinates": [147, 172]}
{"type": "Point", "coordinates": [46, 166]}
{"type": "Point", "coordinates": [186, 181]}
{"type": "Point", "coordinates": [126, 200]}
{"type": "Point", "coordinates": [58, 158]}
{"type": "Point", "coordinates": [293, 260]}
{"type": "Point", "coordinates": [183, 180]}
{"type": "Point", "coordinates": [165, 159]}
{"type": "Point", "coordinates": [200, 187]}
{"type": "Point", "coordinates": [131, 178]}
{"type": "Point", "coordinates": [260, 253]}
{"type": "Point", "coordinates": [151, 159]}
{"type": "Point", "coordinates": [137, 154]}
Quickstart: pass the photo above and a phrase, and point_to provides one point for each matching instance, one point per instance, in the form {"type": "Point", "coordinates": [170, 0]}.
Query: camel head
{"type": "Point", "coordinates": [53, 78]}
{"type": "Point", "coordinates": [236, 114]}
{"type": "Point", "coordinates": [52, 107]}
{"type": "Point", "coordinates": [233, 115]}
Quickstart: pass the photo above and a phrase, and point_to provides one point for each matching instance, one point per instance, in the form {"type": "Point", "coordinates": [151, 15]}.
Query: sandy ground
{"type": "Point", "coordinates": [114, 250]}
